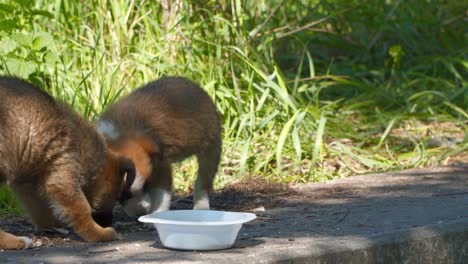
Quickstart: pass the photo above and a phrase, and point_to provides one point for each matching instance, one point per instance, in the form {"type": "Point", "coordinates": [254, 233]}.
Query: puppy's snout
{"type": "Point", "coordinates": [137, 206]}
{"type": "Point", "coordinates": [125, 196]}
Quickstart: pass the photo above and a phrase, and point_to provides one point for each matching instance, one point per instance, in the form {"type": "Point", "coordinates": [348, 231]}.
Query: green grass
{"type": "Point", "coordinates": [308, 91]}
{"type": "Point", "coordinates": [8, 204]}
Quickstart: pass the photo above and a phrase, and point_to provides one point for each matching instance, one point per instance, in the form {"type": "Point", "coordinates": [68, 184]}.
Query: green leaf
{"type": "Point", "coordinates": [51, 58]}
{"type": "Point", "coordinates": [8, 24]}
{"type": "Point", "coordinates": [7, 45]}
{"type": "Point", "coordinates": [244, 155]}
{"type": "Point", "coordinates": [318, 139]}
{"type": "Point", "coordinates": [6, 8]}
{"type": "Point", "coordinates": [283, 136]}
{"type": "Point", "coordinates": [20, 68]}
{"type": "Point", "coordinates": [26, 4]}
{"type": "Point", "coordinates": [387, 131]}
{"type": "Point", "coordinates": [265, 94]}
{"type": "Point", "coordinates": [297, 144]}
{"type": "Point", "coordinates": [457, 109]}
{"type": "Point", "coordinates": [42, 40]}
{"type": "Point", "coordinates": [23, 39]}
{"type": "Point", "coordinates": [311, 65]}
{"type": "Point", "coordinates": [267, 119]}
{"type": "Point", "coordinates": [42, 13]}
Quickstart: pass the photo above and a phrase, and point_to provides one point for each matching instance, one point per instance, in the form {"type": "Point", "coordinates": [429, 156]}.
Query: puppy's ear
{"type": "Point", "coordinates": [127, 170]}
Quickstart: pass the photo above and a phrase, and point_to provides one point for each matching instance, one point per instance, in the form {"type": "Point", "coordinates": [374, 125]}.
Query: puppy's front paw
{"type": "Point", "coordinates": [28, 243]}
{"type": "Point", "coordinates": [99, 234]}
{"type": "Point", "coordinates": [108, 234]}
{"type": "Point", "coordinates": [201, 200]}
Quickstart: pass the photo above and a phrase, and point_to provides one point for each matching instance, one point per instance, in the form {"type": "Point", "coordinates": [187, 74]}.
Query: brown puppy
{"type": "Point", "coordinates": [160, 123]}
{"type": "Point", "coordinates": [57, 164]}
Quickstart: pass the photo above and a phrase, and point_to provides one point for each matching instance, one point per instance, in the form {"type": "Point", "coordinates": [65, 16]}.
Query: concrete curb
{"type": "Point", "coordinates": [442, 243]}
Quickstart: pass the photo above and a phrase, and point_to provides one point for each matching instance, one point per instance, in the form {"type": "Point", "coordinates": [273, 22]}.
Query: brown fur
{"type": "Point", "coordinates": [57, 164]}
{"type": "Point", "coordinates": [164, 122]}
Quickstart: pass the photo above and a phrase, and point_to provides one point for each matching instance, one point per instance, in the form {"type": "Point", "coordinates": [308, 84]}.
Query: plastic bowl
{"type": "Point", "coordinates": [197, 229]}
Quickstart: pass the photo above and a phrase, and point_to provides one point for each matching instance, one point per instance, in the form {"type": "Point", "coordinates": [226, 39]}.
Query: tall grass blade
{"type": "Point", "coordinates": [283, 137]}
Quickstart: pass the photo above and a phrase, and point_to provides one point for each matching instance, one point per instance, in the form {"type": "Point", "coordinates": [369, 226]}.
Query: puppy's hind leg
{"type": "Point", "coordinates": [208, 162]}
{"type": "Point", "coordinates": [70, 205]}
{"type": "Point", "coordinates": [37, 207]}
{"type": "Point", "coordinates": [161, 186]}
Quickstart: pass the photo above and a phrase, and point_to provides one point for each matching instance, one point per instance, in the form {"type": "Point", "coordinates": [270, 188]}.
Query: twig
{"type": "Point", "coordinates": [266, 217]}
{"type": "Point", "coordinates": [332, 77]}
{"type": "Point", "coordinates": [317, 232]}
{"type": "Point", "coordinates": [345, 197]}
{"type": "Point", "coordinates": [266, 21]}
{"type": "Point", "coordinates": [103, 251]}
{"type": "Point", "coordinates": [379, 33]}
{"type": "Point", "coordinates": [313, 23]}
{"type": "Point", "coordinates": [343, 217]}
{"type": "Point", "coordinates": [180, 199]}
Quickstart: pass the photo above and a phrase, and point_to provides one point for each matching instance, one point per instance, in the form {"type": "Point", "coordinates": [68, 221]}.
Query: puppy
{"type": "Point", "coordinates": [57, 165]}
{"type": "Point", "coordinates": [160, 123]}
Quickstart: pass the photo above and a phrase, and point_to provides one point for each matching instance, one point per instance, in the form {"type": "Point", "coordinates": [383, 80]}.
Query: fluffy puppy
{"type": "Point", "coordinates": [160, 123]}
{"type": "Point", "coordinates": [57, 165]}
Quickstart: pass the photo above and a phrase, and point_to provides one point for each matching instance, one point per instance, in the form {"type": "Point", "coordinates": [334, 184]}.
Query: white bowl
{"type": "Point", "coordinates": [197, 229]}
